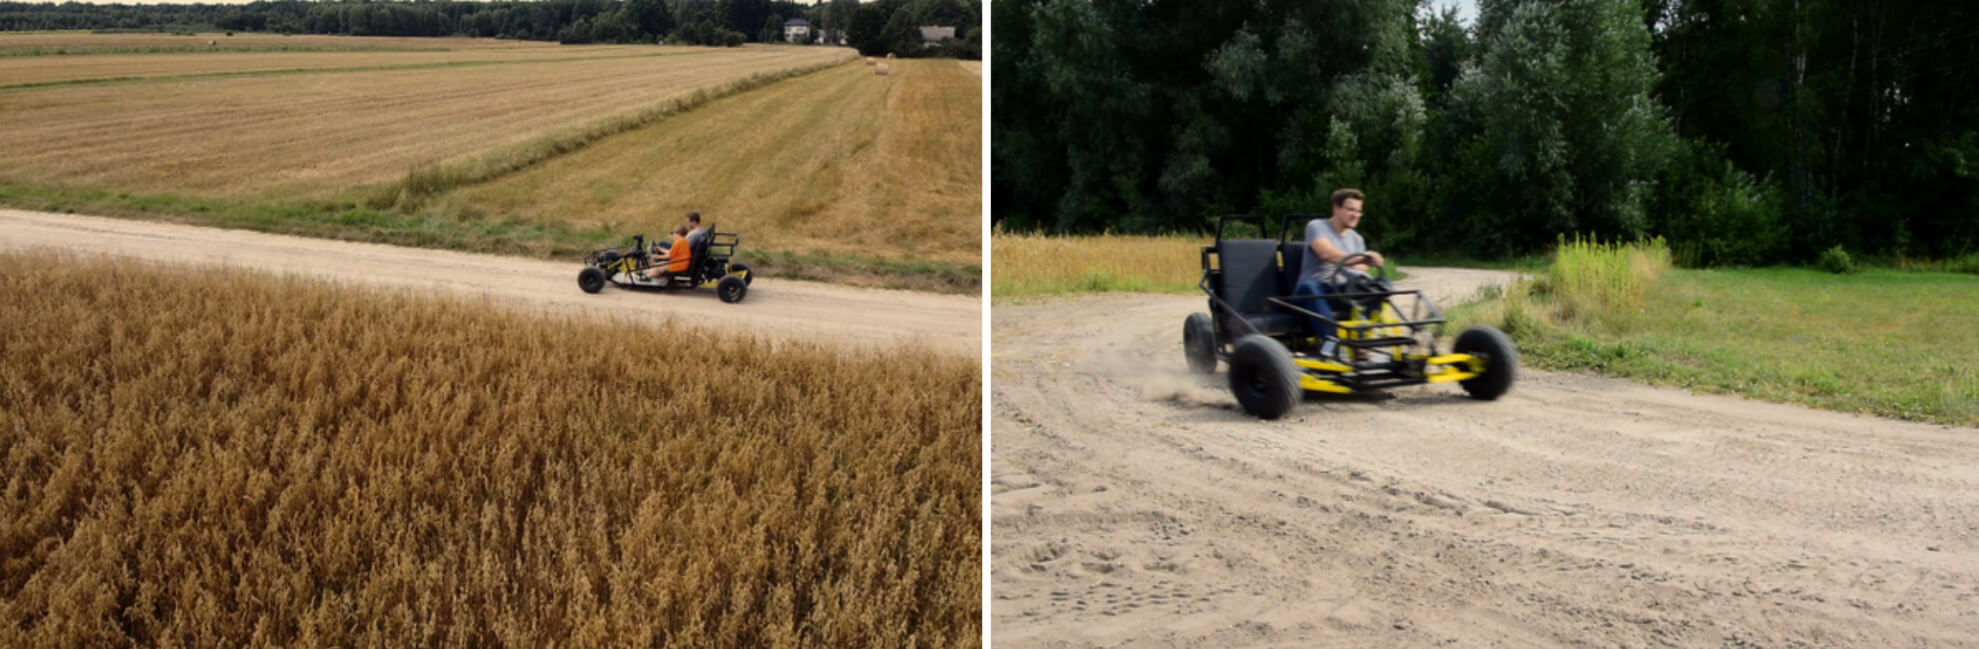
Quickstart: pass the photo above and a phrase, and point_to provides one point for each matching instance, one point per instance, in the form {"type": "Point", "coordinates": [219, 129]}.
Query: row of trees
{"type": "Point", "coordinates": [1744, 131]}
{"type": "Point", "coordinates": [876, 28]}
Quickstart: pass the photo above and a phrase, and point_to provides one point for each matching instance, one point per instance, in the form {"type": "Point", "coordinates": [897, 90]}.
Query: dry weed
{"type": "Point", "coordinates": [222, 459]}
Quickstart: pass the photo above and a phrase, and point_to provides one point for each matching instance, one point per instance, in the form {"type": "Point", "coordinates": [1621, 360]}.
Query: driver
{"type": "Point", "coordinates": [675, 255]}
{"type": "Point", "coordinates": [1328, 241]}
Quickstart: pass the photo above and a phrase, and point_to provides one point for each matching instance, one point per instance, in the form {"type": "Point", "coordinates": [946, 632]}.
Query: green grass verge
{"type": "Point", "coordinates": [1880, 342]}
{"type": "Point", "coordinates": [351, 221]}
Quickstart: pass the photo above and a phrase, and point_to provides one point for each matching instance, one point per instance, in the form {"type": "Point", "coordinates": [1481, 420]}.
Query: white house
{"type": "Point", "coordinates": [797, 30]}
{"type": "Point", "coordinates": [932, 35]}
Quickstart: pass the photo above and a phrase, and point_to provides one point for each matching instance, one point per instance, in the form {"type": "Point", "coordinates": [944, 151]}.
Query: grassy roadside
{"type": "Point", "coordinates": [355, 222]}
{"type": "Point", "coordinates": [1036, 265]}
{"type": "Point", "coordinates": [1881, 342]}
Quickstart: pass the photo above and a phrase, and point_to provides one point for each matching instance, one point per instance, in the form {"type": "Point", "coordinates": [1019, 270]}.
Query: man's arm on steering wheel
{"type": "Point", "coordinates": [1332, 255]}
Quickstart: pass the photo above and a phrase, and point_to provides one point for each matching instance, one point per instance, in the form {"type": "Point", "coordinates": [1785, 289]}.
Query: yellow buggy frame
{"type": "Point", "coordinates": [1382, 337]}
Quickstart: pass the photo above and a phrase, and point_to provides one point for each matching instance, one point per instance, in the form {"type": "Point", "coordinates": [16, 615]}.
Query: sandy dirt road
{"type": "Point", "coordinates": [1133, 505]}
{"type": "Point", "coordinates": [779, 309]}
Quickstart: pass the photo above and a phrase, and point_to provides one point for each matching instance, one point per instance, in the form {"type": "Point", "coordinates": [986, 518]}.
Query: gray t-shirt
{"type": "Point", "coordinates": [1316, 269]}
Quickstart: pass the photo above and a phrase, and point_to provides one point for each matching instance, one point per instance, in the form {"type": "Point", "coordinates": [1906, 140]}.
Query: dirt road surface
{"type": "Point", "coordinates": [776, 308]}
{"type": "Point", "coordinates": [1133, 505]}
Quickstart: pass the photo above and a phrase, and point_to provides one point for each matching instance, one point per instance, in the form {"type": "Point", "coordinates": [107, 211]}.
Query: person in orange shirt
{"type": "Point", "coordinates": [676, 255]}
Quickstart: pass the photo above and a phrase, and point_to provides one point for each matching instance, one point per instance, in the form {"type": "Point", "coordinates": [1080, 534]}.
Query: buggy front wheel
{"type": "Point", "coordinates": [1199, 343]}
{"type": "Point", "coordinates": [1263, 377]}
{"type": "Point", "coordinates": [1500, 358]}
{"type": "Point", "coordinates": [731, 289]}
{"type": "Point", "coordinates": [591, 279]}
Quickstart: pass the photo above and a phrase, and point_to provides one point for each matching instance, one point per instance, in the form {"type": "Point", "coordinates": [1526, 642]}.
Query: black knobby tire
{"type": "Point", "coordinates": [1263, 377]}
{"type": "Point", "coordinates": [739, 269]}
{"type": "Point", "coordinates": [731, 289]}
{"type": "Point", "coordinates": [1501, 361]}
{"type": "Point", "coordinates": [591, 279]}
{"type": "Point", "coordinates": [1199, 343]}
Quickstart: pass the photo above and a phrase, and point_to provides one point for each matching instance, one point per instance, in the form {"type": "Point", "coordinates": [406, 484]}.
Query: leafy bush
{"type": "Point", "coordinates": [1836, 260]}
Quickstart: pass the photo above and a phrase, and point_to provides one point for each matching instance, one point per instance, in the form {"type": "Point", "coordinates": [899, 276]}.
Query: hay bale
{"type": "Point", "coordinates": [889, 55]}
{"type": "Point", "coordinates": [880, 69]}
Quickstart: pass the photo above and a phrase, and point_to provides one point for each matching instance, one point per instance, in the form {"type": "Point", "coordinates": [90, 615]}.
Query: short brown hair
{"type": "Point", "coordinates": [1340, 196]}
{"type": "Point", "coordinates": [680, 229]}
{"type": "Point", "coordinates": [694, 217]}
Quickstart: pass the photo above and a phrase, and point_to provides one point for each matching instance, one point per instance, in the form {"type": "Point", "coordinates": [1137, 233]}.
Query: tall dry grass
{"type": "Point", "coordinates": [838, 162]}
{"type": "Point", "coordinates": [1603, 279]}
{"type": "Point", "coordinates": [1025, 264]}
{"type": "Point", "coordinates": [221, 459]}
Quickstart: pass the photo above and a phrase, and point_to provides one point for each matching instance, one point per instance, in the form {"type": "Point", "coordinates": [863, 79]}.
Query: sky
{"type": "Point", "coordinates": [1466, 9]}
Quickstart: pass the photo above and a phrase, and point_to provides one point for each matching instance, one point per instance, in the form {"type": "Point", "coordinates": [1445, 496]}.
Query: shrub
{"type": "Point", "coordinates": [1836, 260]}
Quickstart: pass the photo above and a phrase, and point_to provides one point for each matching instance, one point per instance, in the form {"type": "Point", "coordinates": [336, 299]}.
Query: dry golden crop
{"type": "Point", "coordinates": [1034, 264]}
{"type": "Point", "coordinates": [318, 135]}
{"type": "Point", "coordinates": [222, 459]}
{"type": "Point", "coordinates": [841, 161]}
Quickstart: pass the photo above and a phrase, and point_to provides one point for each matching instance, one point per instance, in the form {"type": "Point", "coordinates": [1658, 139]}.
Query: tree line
{"type": "Point", "coordinates": [875, 28]}
{"type": "Point", "coordinates": [1743, 131]}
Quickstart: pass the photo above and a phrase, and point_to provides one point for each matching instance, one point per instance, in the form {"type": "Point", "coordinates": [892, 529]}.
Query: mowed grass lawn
{"type": "Point", "coordinates": [1894, 344]}
{"type": "Point", "coordinates": [842, 161]}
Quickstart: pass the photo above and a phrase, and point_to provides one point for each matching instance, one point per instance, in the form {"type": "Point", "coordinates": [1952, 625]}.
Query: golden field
{"type": "Point", "coordinates": [1036, 264]}
{"type": "Point", "coordinates": [319, 135]}
{"type": "Point", "coordinates": [73, 43]}
{"type": "Point", "coordinates": [841, 161]}
{"type": "Point", "coordinates": [20, 72]}
{"type": "Point", "coordinates": [204, 458]}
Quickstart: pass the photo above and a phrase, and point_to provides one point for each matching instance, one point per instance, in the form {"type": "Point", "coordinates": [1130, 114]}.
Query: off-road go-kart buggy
{"type": "Point", "coordinates": [1383, 337]}
{"type": "Point", "coordinates": [709, 264]}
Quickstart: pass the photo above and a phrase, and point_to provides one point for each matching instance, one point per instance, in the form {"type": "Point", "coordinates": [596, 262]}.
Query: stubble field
{"type": "Point", "coordinates": [842, 162]}
{"type": "Point", "coordinates": [317, 135]}
{"type": "Point", "coordinates": [226, 459]}
{"type": "Point", "coordinates": [537, 149]}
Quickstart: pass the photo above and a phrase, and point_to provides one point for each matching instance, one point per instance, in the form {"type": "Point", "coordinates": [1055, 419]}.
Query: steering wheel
{"type": "Point", "coordinates": [1380, 272]}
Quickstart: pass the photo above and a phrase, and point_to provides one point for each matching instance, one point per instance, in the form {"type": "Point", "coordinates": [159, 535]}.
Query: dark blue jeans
{"type": "Point", "coordinates": [1320, 306]}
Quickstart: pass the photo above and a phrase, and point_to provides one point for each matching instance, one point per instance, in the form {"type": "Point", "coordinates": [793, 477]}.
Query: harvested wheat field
{"type": "Point", "coordinates": [23, 72]}
{"type": "Point", "coordinates": [321, 134]}
{"type": "Point", "coordinates": [79, 43]}
{"type": "Point", "coordinates": [841, 161]}
{"type": "Point", "coordinates": [215, 458]}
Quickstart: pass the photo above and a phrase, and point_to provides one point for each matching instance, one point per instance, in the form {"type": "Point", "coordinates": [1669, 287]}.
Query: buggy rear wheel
{"type": "Point", "coordinates": [591, 279]}
{"type": "Point", "coordinates": [743, 270]}
{"type": "Point", "coordinates": [1501, 361]}
{"type": "Point", "coordinates": [1199, 343]}
{"type": "Point", "coordinates": [731, 289]}
{"type": "Point", "coordinates": [1263, 377]}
